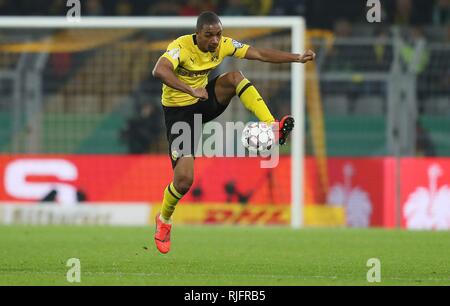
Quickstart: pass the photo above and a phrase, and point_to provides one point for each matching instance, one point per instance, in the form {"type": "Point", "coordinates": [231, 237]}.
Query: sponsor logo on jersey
{"type": "Point", "coordinates": [237, 44]}
{"type": "Point", "coordinates": [174, 53]}
{"type": "Point", "coordinates": [192, 74]}
{"type": "Point", "coordinates": [215, 58]}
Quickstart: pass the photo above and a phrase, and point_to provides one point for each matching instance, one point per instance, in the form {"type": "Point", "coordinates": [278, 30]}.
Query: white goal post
{"type": "Point", "coordinates": [297, 26]}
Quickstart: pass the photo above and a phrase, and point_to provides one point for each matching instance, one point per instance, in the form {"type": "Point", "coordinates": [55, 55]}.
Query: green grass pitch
{"type": "Point", "coordinates": [205, 255]}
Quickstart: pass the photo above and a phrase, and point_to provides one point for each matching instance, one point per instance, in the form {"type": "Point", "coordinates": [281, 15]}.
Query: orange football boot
{"type": "Point", "coordinates": [162, 235]}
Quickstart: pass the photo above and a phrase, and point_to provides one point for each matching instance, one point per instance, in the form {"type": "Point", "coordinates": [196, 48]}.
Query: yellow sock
{"type": "Point", "coordinates": [253, 101]}
{"type": "Point", "coordinates": [171, 198]}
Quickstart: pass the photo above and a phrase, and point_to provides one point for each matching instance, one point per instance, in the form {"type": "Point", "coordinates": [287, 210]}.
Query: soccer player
{"type": "Point", "coordinates": [183, 70]}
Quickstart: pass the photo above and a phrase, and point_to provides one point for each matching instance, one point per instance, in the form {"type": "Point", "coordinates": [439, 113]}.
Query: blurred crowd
{"type": "Point", "coordinates": [344, 18]}
{"type": "Point", "coordinates": [319, 13]}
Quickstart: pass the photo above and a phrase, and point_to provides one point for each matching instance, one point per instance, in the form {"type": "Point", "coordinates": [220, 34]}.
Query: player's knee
{"type": "Point", "coordinates": [183, 183]}
{"type": "Point", "coordinates": [236, 77]}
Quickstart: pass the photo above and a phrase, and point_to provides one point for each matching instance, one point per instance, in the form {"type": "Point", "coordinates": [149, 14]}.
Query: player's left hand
{"type": "Point", "coordinates": [200, 93]}
{"type": "Point", "coordinates": [307, 56]}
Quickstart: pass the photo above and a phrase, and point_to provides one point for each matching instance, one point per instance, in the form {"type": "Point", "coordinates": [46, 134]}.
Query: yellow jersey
{"type": "Point", "coordinates": [192, 66]}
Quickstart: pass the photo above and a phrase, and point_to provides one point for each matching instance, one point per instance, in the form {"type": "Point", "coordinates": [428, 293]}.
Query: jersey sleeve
{"type": "Point", "coordinates": [173, 53]}
{"type": "Point", "coordinates": [235, 48]}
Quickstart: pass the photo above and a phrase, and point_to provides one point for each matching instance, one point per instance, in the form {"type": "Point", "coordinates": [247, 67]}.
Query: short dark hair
{"type": "Point", "coordinates": [207, 18]}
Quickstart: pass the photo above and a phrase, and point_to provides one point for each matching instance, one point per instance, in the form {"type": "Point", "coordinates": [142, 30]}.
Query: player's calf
{"type": "Point", "coordinates": [183, 183]}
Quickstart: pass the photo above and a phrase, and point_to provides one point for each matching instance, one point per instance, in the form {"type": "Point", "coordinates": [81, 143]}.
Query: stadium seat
{"type": "Point", "coordinates": [5, 128]}
{"type": "Point", "coordinates": [369, 105]}
{"type": "Point", "coordinates": [361, 135]}
{"type": "Point", "coordinates": [437, 106]}
{"type": "Point", "coordinates": [335, 104]}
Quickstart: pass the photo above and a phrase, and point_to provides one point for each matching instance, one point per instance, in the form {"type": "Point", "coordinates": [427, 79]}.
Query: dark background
{"type": "Point", "coordinates": [319, 13]}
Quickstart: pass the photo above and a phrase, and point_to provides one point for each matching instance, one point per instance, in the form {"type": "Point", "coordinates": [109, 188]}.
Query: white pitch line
{"type": "Point", "coordinates": [303, 277]}
{"type": "Point", "coordinates": [164, 274]}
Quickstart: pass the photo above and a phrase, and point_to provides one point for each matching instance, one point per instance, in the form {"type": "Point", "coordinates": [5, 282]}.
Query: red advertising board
{"type": "Point", "coordinates": [100, 178]}
{"type": "Point", "coordinates": [365, 187]}
{"type": "Point", "coordinates": [425, 193]}
{"type": "Point", "coordinates": [140, 179]}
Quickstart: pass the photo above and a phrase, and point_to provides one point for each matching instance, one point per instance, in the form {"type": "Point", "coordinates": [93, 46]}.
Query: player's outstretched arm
{"type": "Point", "coordinates": [164, 71]}
{"type": "Point", "coordinates": [277, 56]}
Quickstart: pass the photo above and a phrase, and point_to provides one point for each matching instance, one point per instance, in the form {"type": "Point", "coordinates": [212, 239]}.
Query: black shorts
{"type": "Point", "coordinates": [209, 109]}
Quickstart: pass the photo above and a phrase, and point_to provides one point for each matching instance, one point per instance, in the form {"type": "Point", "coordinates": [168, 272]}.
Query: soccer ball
{"type": "Point", "coordinates": [258, 137]}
